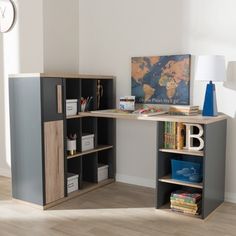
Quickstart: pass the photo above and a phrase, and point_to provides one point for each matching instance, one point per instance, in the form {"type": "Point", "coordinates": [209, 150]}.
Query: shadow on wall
{"type": "Point", "coordinates": [230, 83]}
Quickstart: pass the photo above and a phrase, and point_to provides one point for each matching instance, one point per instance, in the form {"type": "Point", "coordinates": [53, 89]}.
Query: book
{"type": "Point", "coordinates": [174, 135]}
{"type": "Point", "coordinates": [186, 201]}
{"type": "Point", "coordinates": [180, 135]}
{"type": "Point", "coordinates": [182, 107]}
{"type": "Point", "coordinates": [189, 197]}
{"type": "Point", "coordinates": [185, 212]}
{"type": "Point", "coordinates": [185, 205]}
{"type": "Point", "coordinates": [184, 208]}
{"type": "Point", "coordinates": [184, 110]}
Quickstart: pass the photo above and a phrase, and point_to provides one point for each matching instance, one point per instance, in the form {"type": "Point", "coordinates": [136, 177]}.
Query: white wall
{"type": "Point", "coordinates": [44, 39]}
{"type": "Point", "coordinates": [21, 50]}
{"type": "Point", "coordinates": [61, 35]}
{"type": "Point", "coordinates": [111, 32]}
{"type": "Point", "coordinates": [4, 167]}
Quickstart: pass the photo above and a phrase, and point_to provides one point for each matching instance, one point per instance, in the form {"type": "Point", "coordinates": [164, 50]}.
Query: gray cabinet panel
{"type": "Point", "coordinates": [26, 139]}
{"type": "Point", "coordinates": [214, 166]}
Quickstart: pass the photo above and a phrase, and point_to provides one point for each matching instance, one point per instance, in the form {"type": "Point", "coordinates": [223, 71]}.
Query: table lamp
{"type": "Point", "coordinates": [210, 68]}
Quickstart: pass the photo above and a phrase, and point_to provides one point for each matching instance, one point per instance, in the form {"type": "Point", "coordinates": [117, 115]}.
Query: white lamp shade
{"type": "Point", "coordinates": [210, 68]}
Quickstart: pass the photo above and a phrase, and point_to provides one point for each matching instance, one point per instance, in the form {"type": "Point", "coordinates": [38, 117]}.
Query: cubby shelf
{"type": "Point", "coordinates": [166, 208]}
{"type": "Point", "coordinates": [87, 187]}
{"type": "Point", "coordinates": [183, 151]}
{"type": "Point", "coordinates": [97, 149]}
{"type": "Point", "coordinates": [168, 179]}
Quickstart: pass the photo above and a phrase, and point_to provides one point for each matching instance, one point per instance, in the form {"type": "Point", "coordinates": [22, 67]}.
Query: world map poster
{"type": "Point", "coordinates": [161, 79]}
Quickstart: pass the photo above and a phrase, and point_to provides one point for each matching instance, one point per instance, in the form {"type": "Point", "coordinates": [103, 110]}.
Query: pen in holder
{"type": "Point", "coordinates": [85, 103]}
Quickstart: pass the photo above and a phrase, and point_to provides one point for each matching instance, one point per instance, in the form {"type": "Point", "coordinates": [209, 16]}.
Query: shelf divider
{"type": "Point", "coordinates": [97, 149]}
{"type": "Point", "coordinates": [168, 179]}
{"type": "Point", "coordinates": [183, 151]}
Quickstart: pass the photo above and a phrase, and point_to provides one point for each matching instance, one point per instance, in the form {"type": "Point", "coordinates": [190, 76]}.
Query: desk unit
{"type": "Point", "coordinates": [213, 159]}
{"type": "Point", "coordinates": [38, 133]}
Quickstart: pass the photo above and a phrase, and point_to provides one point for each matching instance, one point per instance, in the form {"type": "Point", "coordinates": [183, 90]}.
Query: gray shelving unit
{"type": "Point", "coordinates": [213, 161]}
{"type": "Point", "coordinates": [39, 129]}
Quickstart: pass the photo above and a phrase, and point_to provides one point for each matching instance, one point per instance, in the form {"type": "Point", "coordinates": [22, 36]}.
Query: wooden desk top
{"type": "Point", "coordinates": [199, 119]}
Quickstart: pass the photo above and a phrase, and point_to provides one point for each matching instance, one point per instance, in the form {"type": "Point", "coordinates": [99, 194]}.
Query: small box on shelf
{"type": "Point", "coordinates": [102, 172]}
{"type": "Point", "coordinates": [186, 171]}
{"type": "Point", "coordinates": [72, 182]}
{"type": "Point", "coordinates": [71, 107]}
{"type": "Point", "coordinates": [87, 142]}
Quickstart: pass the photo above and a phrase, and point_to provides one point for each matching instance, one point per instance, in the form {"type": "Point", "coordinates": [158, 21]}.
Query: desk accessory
{"type": "Point", "coordinates": [85, 103]}
{"type": "Point", "coordinates": [210, 68]}
{"type": "Point", "coordinates": [71, 144]}
{"type": "Point", "coordinates": [127, 103]}
{"type": "Point", "coordinates": [99, 93]}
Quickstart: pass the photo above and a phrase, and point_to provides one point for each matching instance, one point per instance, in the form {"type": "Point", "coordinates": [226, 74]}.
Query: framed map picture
{"type": "Point", "coordinates": [161, 79]}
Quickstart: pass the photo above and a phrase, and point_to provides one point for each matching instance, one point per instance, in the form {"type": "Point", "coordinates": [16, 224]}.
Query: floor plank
{"type": "Point", "coordinates": [114, 210]}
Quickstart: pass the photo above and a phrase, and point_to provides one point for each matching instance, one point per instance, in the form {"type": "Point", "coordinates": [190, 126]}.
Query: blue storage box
{"type": "Point", "coordinates": [186, 171]}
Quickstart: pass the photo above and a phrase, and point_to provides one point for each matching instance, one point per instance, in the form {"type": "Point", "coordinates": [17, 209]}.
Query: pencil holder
{"type": "Point", "coordinates": [71, 146]}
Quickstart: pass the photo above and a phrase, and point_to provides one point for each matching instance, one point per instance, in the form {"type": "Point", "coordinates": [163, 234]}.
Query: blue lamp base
{"type": "Point", "coordinates": [210, 106]}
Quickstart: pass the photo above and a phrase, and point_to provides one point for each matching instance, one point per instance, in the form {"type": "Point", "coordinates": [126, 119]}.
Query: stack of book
{"type": "Point", "coordinates": [184, 110]}
{"type": "Point", "coordinates": [185, 202]}
{"type": "Point", "coordinates": [174, 135]}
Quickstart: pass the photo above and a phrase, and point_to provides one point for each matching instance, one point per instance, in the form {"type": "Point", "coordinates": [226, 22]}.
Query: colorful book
{"type": "Point", "coordinates": [180, 135]}
{"type": "Point", "coordinates": [170, 135]}
{"type": "Point", "coordinates": [186, 196]}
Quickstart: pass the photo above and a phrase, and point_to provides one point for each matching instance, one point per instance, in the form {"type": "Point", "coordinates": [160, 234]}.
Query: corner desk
{"type": "Point", "coordinates": [39, 129]}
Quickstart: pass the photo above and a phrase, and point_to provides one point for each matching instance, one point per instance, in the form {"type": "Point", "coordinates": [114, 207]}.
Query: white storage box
{"type": "Point", "coordinates": [87, 142]}
{"type": "Point", "coordinates": [72, 182]}
{"type": "Point", "coordinates": [71, 107]}
{"type": "Point", "coordinates": [102, 172]}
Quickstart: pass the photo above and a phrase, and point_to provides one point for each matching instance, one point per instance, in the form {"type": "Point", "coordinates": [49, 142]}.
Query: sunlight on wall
{"type": "Point", "coordinates": [11, 65]}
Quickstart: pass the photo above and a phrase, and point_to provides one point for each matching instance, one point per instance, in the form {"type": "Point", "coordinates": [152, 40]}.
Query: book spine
{"type": "Point", "coordinates": [183, 113]}
{"type": "Point", "coordinates": [180, 133]}
{"type": "Point", "coordinates": [185, 210]}
{"type": "Point", "coordinates": [186, 202]}
{"type": "Point", "coordinates": [174, 204]}
{"type": "Point", "coordinates": [174, 135]}
{"type": "Point", "coordinates": [168, 135]}
{"type": "Point", "coordinates": [165, 134]}
{"type": "Point", "coordinates": [193, 199]}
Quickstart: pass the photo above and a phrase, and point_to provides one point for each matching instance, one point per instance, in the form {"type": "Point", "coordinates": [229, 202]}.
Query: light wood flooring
{"type": "Point", "coordinates": [116, 209]}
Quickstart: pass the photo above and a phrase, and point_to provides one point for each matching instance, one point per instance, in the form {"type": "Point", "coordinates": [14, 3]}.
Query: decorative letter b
{"type": "Point", "coordinates": [190, 136]}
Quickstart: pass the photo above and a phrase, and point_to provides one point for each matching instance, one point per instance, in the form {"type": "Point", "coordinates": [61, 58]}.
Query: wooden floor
{"type": "Point", "coordinates": [117, 209]}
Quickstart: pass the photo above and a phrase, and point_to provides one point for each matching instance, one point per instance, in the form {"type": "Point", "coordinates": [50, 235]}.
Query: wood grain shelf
{"type": "Point", "coordinates": [166, 208]}
{"type": "Point", "coordinates": [74, 117]}
{"type": "Point", "coordinates": [97, 149]}
{"type": "Point", "coordinates": [183, 151]}
{"type": "Point", "coordinates": [168, 179]}
{"type": "Point", "coordinates": [198, 119]}
{"type": "Point", "coordinates": [88, 186]}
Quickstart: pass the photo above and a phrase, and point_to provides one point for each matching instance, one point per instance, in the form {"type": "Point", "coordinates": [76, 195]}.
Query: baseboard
{"type": "Point", "coordinates": [230, 197]}
{"type": "Point", "coordinates": [5, 172]}
{"type": "Point", "coordinates": [135, 180]}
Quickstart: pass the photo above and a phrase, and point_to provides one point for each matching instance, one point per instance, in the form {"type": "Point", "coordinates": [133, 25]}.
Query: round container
{"type": "Point", "coordinates": [71, 146]}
